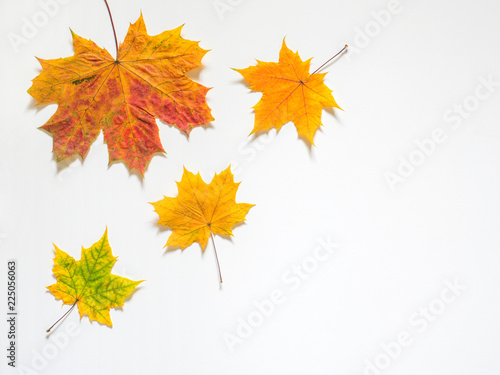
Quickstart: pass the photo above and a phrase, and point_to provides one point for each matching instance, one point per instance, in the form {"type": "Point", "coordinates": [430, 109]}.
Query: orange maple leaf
{"type": "Point", "coordinates": [290, 93]}
{"type": "Point", "coordinates": [201, 209]}
{"type": "Point", "coordinates": [122, 96]}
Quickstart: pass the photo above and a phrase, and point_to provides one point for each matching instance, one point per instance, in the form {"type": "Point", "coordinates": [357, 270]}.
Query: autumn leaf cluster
{"type": "Point", "coordinates": [123, 97]}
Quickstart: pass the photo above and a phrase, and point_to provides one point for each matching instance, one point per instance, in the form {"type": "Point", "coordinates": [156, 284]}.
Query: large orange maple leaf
{"type": "Point", "coordinates": [122, 96]}
{"type": "Point", "coordinates": [290, 93]}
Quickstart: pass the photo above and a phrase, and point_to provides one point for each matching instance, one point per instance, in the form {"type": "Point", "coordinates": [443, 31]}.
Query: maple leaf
{"type": "Point", "coordinates": [290, 93]}
{"type": "Point", "coordinates": [88, 283]}
{"type": "Point", "coordinates": [201, 209]}
{"type": "Point", "coordinates": [122, 97]}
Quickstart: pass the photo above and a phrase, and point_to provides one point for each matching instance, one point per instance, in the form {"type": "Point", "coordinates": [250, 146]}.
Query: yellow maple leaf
{"type": "Point", "coordinates": [290, 93]}
{"type": "Point", "coordinates": [201, 209]}
{"type": "Point", "coordinates": [88, 283]}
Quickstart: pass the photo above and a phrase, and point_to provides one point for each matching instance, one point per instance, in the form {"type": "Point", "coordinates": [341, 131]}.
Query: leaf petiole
{"type": "Point", "coordinates": [216, 257]}
{"type": "Point", "coordinates": [62, 317]}
{"type": "Point", "coordinates": [330, 59]}
{"type": "Point", "coordinates": [113, 25]}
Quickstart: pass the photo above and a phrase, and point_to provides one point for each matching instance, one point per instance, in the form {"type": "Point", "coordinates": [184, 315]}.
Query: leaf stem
{"type": "Point", "coordinates": [330, 59]}
{"type": "Point", "coordinates": [216, 257]}
{"type": "Point", "coordinates": [62, 317]}
{"type": "Point", "coordinates": [113, 25]}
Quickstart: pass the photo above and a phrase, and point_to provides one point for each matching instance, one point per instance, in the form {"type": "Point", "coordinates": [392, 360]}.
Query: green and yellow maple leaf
{"type": "Point", "coordinates": [88, 283]}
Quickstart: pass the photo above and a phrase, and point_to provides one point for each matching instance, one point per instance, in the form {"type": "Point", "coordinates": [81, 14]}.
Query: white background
{"type": "Point", "coordinates": [397, 248]}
